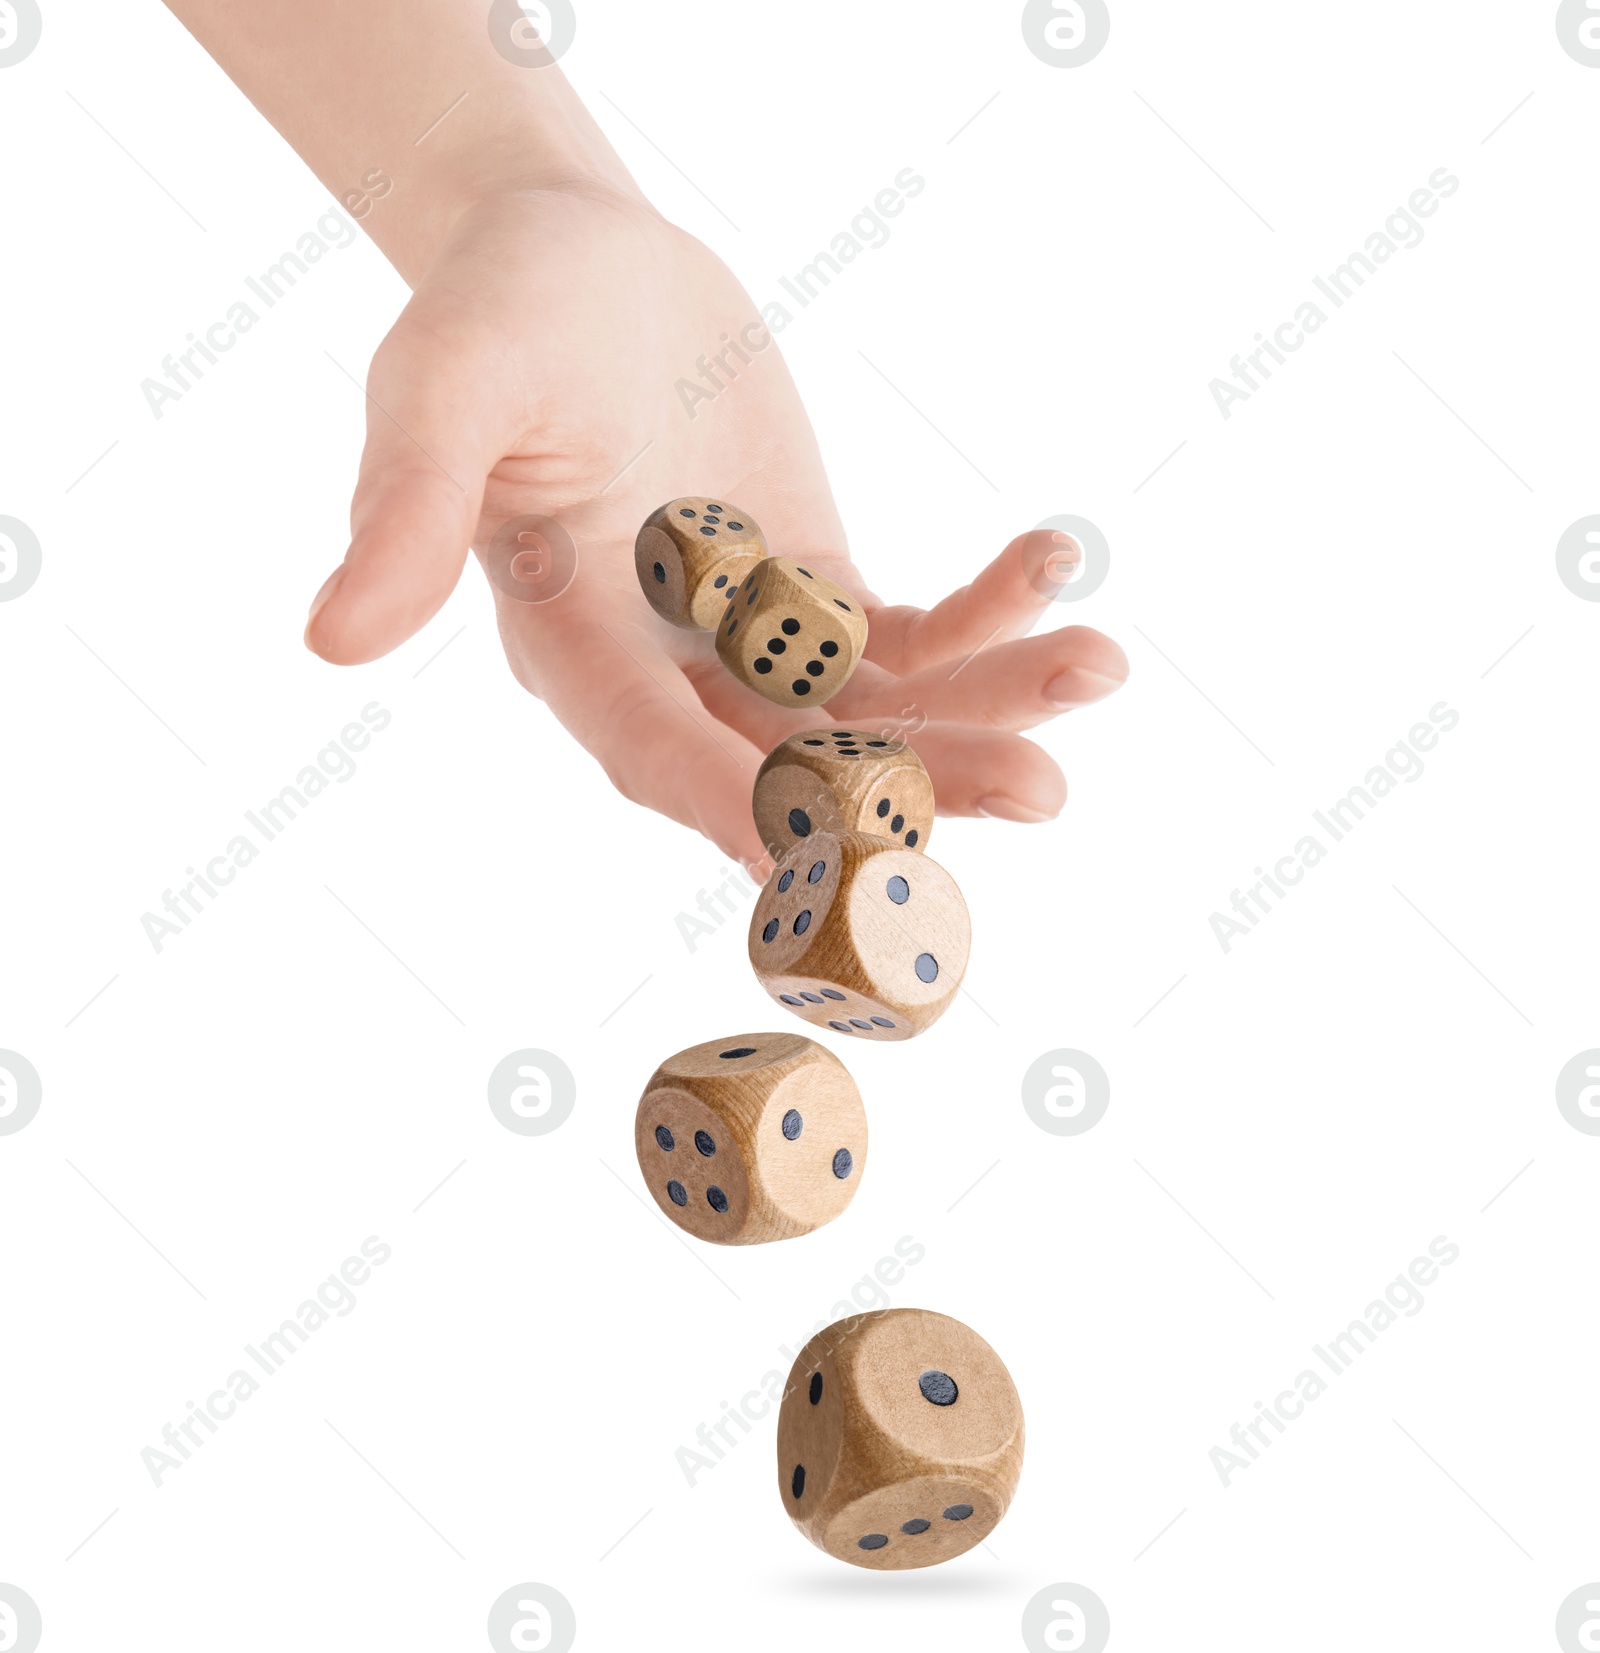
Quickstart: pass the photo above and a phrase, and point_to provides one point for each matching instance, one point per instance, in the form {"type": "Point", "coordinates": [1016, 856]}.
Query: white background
{"type": "Point", "coordinates": [1294, 1122]}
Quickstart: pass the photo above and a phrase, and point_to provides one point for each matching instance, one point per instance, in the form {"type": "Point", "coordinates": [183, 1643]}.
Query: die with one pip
{"type": "Point", "coordinates": [791, 634]}
{"type": "Point", "coordinates": [900, 1439]}
{"type": "Point", "coordinates": [756, 1137]}
{"type": "Point", "coordinates": [854, 933]}
{"type": "Point", "coordinates": [691, 554]}
{"type": "Point", "coordinates": [842, 780]}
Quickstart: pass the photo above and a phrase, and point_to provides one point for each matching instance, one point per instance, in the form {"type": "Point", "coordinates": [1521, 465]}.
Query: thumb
{"type": "Point", "coordinates": [416, 501]}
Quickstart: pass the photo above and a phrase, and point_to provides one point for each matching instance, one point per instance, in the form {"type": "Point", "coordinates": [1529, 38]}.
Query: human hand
{"type": "Point", "coordinates": [534, 372]}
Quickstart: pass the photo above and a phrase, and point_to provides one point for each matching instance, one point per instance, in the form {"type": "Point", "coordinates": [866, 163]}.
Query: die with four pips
{"type": "Point", "coordinates": [756, 1137]}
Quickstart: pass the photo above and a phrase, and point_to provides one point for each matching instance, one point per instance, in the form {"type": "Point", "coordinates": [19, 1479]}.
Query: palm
{"type": "Point", "coordinates": [536, 373]}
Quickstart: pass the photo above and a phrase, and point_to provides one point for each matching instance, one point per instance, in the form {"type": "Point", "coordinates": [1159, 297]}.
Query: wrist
{"type": "Point", "coordinates": [500, 142]}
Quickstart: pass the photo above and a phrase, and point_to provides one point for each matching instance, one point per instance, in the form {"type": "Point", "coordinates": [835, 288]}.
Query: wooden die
{"type": "Point", "coordinates": [756, 1137]}
{"type": "Point", "coordinates": [842, 780]}
{"type": "Point", "coordinates": [854, 933]}
{"type": "Point", "coordinates": [790, 634]}
{"type": "Point", "coordinates": [900, 1439]}
{"type": "Point", "coordinates": [691, 554]}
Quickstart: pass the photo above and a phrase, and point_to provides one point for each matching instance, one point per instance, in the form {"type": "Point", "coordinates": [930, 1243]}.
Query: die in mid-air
{"type": "Point", "coordinates": [900, 1439]}
{"type": "Point", "coordinates": [691, 554]}
{"type": "Point", "coordinates": [759, 1136]}
{"type": "Point", "coordinates": [854, 933]}
{"type": "Point", "coordinates": [842, 780]}
{"type": "Point", "coordinates": [791, 634]}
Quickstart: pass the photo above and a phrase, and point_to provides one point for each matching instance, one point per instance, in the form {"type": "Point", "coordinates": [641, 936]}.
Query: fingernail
{"type": "Point", "coordinates": [1000, 808]}
{"type": "Point", "coordinates": [1077, 687]}
{"type": "Point", "coordinates": [320, 601]}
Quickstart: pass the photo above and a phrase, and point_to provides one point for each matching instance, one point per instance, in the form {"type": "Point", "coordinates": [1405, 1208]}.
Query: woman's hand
{"type": "Point", "coordinates": [535, 372]}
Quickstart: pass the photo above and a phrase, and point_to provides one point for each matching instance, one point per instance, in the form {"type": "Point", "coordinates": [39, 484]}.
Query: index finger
{"type": "Point", "coordinates": [1002, 603]}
